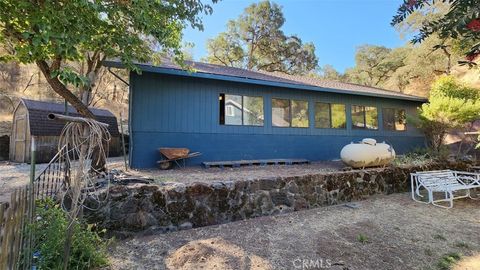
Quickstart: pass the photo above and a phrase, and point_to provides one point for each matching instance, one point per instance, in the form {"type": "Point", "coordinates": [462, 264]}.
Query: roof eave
{"type": "Point", "coordinates": [179, 72]}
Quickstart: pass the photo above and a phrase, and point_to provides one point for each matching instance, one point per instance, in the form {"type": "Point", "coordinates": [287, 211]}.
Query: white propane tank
{"type": "Point", "coordinates": [367, 153]}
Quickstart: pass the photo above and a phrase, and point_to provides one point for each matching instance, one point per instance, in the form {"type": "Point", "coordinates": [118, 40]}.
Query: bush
{"type": "Point", "coordinates": [451, 105]}
{"type": "Point", "coordinates": [422, 156]}
{"type": "Point", "coordinates": [88, 249]}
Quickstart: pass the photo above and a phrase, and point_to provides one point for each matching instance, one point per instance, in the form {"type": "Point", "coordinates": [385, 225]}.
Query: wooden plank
{"type": "Point", "coordinates": [9, 231]}
{"type": "Point", "coordinates": [5, 240]}
{"type": "Point", "coordinates": [262, 162]}
{"type": "Point", "coordinates": [14, 241]}
{"type": "Point", "coordinates": [2, 210]}
{"type": "Point", "coordinates": [18, 231]}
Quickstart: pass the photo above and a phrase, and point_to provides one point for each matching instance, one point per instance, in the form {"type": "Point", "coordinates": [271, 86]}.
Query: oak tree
{"type": "Point", "coordinates": [53, 33]}
{"type": "Point", "coordinates": [256, 41]}
{"type": "Point", "coordinates": [461, 22]}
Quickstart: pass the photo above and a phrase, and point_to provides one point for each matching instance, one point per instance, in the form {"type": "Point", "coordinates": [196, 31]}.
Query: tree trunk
{"type": "Point", "coordinates": [60, 89]}
{"type": "Point", "coordinates": [99, 163]}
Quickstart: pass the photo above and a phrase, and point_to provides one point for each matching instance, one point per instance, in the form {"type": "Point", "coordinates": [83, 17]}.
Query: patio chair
{"type": "Point", "coordinates": [448, 182]}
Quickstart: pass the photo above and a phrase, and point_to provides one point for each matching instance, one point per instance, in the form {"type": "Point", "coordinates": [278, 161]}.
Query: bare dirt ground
{"type": "Point", "coordinates": [200, 174]}
{"type": "Point", "coordinates": [384, 232]}
{"type": "Point", "coordinates": [14, 175]}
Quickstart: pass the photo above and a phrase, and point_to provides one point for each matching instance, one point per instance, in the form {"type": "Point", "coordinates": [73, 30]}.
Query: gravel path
{"type": "Point", "coordinates": [384, 232]}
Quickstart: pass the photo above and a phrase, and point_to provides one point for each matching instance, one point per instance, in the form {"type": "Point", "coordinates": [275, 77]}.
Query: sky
{"type": "Point", "coordinates": [336, 27]}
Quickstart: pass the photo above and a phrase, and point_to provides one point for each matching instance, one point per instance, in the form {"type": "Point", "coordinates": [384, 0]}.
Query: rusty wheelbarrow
{"type": "Point", "coordinates": [177, 156]}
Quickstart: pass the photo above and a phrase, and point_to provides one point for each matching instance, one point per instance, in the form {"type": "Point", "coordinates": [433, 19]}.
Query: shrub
{"type": "Point", "coordinates": [448, 261]}
{"type": "Point", "coordinates": [88, 249]}
{"type": "Point", "coordinates": [451, 105]}
{"type": "Point", "coordinates": [362, 238]}
{"type": "Point", "coordinates": [422, 156]}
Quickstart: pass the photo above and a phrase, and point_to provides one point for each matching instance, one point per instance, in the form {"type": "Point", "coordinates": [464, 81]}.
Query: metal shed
{"type": "Point", "coordinates": [30, 119]}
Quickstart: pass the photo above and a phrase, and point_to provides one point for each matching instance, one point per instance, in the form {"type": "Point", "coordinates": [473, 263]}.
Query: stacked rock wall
{"type": "Point", "coordinates": [181, 206]}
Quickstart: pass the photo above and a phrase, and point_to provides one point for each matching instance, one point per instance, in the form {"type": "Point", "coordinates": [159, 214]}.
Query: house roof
{"type": "Point", "coordinates": [40, 125]}
{"type": "Point", "coordinates": [218, 72]}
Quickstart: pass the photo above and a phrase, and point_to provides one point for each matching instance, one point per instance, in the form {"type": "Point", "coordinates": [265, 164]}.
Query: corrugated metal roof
{"type": "Point", "coordinates": [261, 77]}
{"type": "Point", "coordinates": [40, 125]}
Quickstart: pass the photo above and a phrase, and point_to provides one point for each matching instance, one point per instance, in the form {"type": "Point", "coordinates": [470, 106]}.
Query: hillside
{"type": "Point", "coordinates": [25, 81]}
{"type": "Point", "coordinates": [20, 81]}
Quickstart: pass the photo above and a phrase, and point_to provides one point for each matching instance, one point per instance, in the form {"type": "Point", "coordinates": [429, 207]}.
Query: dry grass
{"type": "Point", "coordinates": [400, 234]}
{"type": "Point", "coordinates": [5, 118]}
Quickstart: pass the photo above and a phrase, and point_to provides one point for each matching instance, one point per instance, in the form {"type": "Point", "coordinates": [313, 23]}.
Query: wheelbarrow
{"type": "Point", "coordinates": [177, 156]}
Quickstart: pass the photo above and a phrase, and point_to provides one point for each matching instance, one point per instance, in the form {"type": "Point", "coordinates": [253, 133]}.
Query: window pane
{"type": "Point", "coordinates": [339, 117]}
{"type": "Point", "coordinates": [388, 119]}
{"type": "Point", "coordinates": [233, 110]}
{"type": "Point", "coordinates": [371, 117]}
{"type": "Point", "coordinates": [400, 120]}
{"type": "Point", "coordinates": [322, 115]}
{"type": "Point", "coordinates": [299, 113]}
{"type": "Point", "coordinates": [253, 111]}
{"type": "Point", "coordinates": [280, 112]}
{"type": "Point", "coordinates": [358, 116]}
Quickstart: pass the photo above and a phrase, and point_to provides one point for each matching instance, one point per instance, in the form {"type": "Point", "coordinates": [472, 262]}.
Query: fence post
{"type": "Point", "coordinates": [31, 208]}
{"type": "Point", "coordinates": [33, 149]}
{"type": "Point", "coordinates": [123, 143]}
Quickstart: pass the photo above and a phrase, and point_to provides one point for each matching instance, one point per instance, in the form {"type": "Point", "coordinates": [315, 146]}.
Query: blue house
{"type": "Point", "coordinates": [229, 113]}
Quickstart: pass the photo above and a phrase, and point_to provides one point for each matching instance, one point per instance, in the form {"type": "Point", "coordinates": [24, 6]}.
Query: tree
{"type": "Point", "coordinates": [255, 41]}
{"type": "Point", "coordinates": [414, 21]}
{"type": "Point", "coordinates": [328, 72]}
{"type": "Point", "coordinates": [451, 105]}
{"type": "Point", "coordinates": [461, 23]}
{"type": "Point", "coordinates": [374, 65]}
{"type": "Point", "coordinates": [421, 65]}
{"type": "Point", "coordinates": [52, 34]}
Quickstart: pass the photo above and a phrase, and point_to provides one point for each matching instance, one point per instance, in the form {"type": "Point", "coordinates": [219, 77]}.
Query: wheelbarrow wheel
{"type": "Point", "coordinates": [165, 165]}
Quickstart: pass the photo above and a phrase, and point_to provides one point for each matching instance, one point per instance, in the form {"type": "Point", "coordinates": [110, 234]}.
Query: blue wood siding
{"type": "Point", "coordinates": [177, 111]}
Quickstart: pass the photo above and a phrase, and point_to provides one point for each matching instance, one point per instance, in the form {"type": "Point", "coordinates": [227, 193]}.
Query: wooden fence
{"type": "Point", "coordinates": [16, 240]}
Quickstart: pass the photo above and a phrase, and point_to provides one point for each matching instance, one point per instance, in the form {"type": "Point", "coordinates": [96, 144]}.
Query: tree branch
{"type": "Point", "coordinates": [62, 90]}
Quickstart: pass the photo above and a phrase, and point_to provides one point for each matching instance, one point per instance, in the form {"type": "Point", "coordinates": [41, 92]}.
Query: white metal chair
{"type": "Point", "coordinates": [444, 181]}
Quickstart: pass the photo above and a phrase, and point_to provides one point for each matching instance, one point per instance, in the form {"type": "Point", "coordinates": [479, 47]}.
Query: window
{"type": "Point", "coordinates": [364, 117]}
{"type": "Point", "coordinates": [394, 119]}
{"type": "Point", "coordinates": [253, 111]}
{"type": "Point", "coordinates": [280, 112]}
{"type": "Point", "coordinates": [299, 113]}
{"type": "Point", "coordinates": [289, 113]}
{"type": "Point", "coordinates": [241, 110]}
{"type": "Point", "coordinates": [330, 115]}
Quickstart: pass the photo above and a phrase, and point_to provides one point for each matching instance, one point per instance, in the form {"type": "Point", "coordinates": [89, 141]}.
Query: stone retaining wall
{"type": "Point", "coordinates": [142, 207]}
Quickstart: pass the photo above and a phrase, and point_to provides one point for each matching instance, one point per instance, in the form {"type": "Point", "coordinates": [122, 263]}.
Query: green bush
{"type": "Point", "coordinates": [452, 105]}
{"type": "Point", "coordinates": [88, 249]}
{"type": "Point", "coordinates": [448, 261]}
